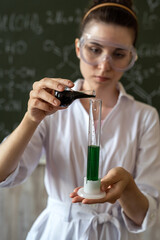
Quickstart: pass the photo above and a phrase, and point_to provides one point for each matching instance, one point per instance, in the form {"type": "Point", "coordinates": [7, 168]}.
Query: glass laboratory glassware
{"type": "Point", "coordinates": [68, 96]}
{"type": "Point", "coordinates": [91, 189]}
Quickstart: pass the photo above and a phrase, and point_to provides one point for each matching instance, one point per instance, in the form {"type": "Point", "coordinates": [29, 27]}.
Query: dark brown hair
{"type": "Point", "coordinates": [112, 14]}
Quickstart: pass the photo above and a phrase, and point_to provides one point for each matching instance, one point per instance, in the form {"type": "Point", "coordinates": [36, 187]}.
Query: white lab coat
{"type": "Point", "coordinates": [130, 138]}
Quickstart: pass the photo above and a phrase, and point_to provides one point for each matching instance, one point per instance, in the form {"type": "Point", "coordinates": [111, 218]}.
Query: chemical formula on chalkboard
{"type": "Point", "coordinates": [37, 40]}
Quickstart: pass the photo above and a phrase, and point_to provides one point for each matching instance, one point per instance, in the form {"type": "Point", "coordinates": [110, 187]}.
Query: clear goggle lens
{"type": "Point", "coordinates": [94, 51]}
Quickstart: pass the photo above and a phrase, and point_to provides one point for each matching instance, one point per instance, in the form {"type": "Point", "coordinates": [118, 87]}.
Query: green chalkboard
{"type": "Point", "coordinates": [37, 40]}
{"type": "Point", "coordinates": [143, 81]}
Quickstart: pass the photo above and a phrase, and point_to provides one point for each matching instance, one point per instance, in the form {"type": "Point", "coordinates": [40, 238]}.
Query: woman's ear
{"type": "Point", "coordinates": [77, 47]}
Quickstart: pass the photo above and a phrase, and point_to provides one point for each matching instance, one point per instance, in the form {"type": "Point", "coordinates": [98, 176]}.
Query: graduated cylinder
{"type": "Point", "coordinates": [94, 139]}
{"type": "Point", "coordinates": [91, 189]}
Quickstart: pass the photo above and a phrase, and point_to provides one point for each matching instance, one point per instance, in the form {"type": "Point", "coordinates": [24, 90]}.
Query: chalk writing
{"type": "Point", "coordinates": [37, 42]}
{"type": "Point", "coordinates": [149, 50]}
{"type": "Point", "coordinates": [153, 4]}
{"type": "Point", "coordinates": [20, 22]}
{"type": "Point", "coordinates": [9, 47]}
{"type": "Point", "coordinates": [140, 74]}
{"type": "Point", "coordinates": [149, 20]}
{"type": "Point", "coordinates": [10, 106]}
{"type": "Point", "coordinates": [59, 17]}
{"type": "Point", "coordinates": [50, 46]}
{"type": "Point", "coordinates": [13, 72]}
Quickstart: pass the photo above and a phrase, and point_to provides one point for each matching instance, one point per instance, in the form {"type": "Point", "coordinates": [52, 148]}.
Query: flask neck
{"type": "Point", "coordinates": [84, 94]}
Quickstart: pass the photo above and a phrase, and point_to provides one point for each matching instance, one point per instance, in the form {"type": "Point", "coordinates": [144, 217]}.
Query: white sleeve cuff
{"type": "Point", "coordinates": [10, 179]}
{"type": "Point", "coordinates": [148, 221]}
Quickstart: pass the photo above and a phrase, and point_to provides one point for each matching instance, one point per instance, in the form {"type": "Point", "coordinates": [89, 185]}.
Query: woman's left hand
{"type": "Point", "coordinates": [115, 183]}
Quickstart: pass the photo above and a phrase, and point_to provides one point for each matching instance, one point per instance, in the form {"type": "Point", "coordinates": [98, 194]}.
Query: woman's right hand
{"type": "Point", "coordinates": [42, 101]}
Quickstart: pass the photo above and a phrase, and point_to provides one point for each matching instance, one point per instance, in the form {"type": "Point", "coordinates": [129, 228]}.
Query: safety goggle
{"type": "Point", "coordinates": [94, 50]}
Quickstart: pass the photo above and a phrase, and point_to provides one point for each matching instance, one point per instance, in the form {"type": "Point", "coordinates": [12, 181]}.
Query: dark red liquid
{"type": "Point", "coordinates": [67, 97]}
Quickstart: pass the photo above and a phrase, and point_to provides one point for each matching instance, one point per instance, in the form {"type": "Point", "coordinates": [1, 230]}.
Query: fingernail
{"type": "Point", "coordinates": [70, 84]}
{"type": "Point", "coordinates": [60, 87]}
{"type": "Point", "coordinates": [55, 102]}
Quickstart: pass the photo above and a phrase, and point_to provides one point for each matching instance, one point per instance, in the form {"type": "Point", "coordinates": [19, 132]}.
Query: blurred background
{"type": "Point", "coordinates": [36, 41]}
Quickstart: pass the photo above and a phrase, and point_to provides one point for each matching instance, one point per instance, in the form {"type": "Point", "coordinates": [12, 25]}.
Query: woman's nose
{"type": "Point", "coordinates": [105, 64]}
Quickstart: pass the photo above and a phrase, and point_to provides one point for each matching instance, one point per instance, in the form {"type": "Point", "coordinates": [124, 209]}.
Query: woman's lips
{"type": "Point", "coordinates": [102, 78]}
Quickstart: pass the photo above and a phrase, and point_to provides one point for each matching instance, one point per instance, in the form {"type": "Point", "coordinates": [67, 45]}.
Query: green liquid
{"type": "Point", "coordinates": [93, 163]}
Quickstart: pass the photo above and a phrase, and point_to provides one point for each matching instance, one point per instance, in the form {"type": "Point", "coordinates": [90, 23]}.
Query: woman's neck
{"type": "Point", "coordinates": [109, 96]}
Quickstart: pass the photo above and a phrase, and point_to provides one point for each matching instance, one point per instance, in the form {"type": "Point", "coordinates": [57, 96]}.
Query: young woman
{"type": "Point", "coordinates": [130, 141]}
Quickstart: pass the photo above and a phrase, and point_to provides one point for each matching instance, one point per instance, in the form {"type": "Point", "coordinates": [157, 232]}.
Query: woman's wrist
{"type": "Point", "coordinates": [30, 120]}
{"type": "Point", "coordinates": [134, 202]}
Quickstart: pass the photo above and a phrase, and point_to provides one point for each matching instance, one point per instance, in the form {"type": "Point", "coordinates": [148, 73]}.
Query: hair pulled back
{"type": "Point", "coordinates": [127, 3]}
{"type": "Point", "coordinates": [112, 14]}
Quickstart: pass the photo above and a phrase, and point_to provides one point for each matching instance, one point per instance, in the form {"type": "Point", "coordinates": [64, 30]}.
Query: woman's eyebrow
{"type": "Point", "coordinates": [121, 49]}
{"type": "Point", "coordinates": [104, 45]}
{"type": "Point", "coordinates": [96, 43]}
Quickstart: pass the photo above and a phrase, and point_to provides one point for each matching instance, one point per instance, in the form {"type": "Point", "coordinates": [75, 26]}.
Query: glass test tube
{"type": "Point", "coordinates": [94, 134]}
